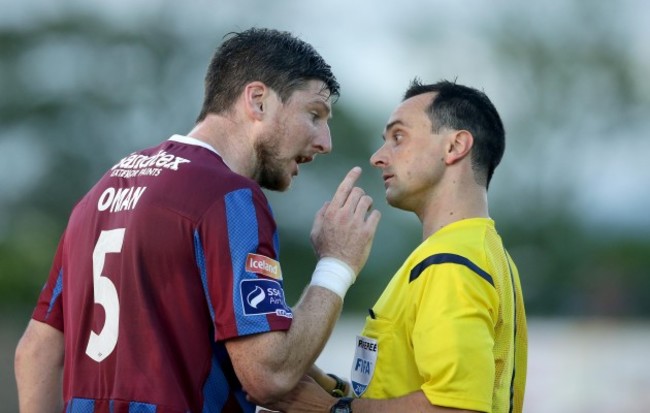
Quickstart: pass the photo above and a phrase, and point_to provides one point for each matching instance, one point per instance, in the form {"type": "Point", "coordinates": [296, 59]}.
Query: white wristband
{"type": "Point", "coordinates": [333, 274]}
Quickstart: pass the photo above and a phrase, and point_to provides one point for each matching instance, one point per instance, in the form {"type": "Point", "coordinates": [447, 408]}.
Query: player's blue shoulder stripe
{"type": "Point", "coordinates": [199, 255]}
{"type": "Point", "coordinates": [276, 238]}
{"type": "Point", "coordinates": [446, 258]}
{"type": "Point", "coordinates": [56, 292]}
{"type": "Point", "coordinates": [276, 245]}
{"type": "Point", "coordinates": [243, 237]}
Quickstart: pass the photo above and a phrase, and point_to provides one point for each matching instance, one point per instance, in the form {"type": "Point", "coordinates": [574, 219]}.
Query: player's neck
{"type": "Point", "coordinates": [230, 141]}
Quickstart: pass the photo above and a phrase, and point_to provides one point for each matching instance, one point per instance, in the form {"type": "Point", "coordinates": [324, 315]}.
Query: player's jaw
{"type": "Point", "coordinates": [275, 172]}
{"type": "Point", "coordinates": [270, 172]}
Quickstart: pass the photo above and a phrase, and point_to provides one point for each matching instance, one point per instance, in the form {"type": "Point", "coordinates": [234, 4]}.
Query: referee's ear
{"type": "Point", "coordinates": [459, 145]}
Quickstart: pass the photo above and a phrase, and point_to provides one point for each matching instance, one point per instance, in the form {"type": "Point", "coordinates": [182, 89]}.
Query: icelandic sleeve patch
{"type": "Point", "coordinates": [263, 297]}
{"type": "Point", "coordinates": [261, 264]}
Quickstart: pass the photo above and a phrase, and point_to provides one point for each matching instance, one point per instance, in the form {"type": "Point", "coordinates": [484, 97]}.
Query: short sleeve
{"type": "Point", "coordinates": [240, 266]}
{"type": "Point", "coordinates": [49, 308]}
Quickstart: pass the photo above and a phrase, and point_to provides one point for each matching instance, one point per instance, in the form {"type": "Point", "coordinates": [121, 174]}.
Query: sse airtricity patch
{"type": "Point", "coordinates": [262, 296]}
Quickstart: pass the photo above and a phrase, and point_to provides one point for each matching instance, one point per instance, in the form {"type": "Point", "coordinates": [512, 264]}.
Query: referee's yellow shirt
{"type": "Point", "coordinates": [451, 323]}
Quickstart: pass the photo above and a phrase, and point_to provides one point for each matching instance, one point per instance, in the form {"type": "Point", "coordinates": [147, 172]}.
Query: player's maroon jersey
{"type": "Point", "coordinates": [169, 254]}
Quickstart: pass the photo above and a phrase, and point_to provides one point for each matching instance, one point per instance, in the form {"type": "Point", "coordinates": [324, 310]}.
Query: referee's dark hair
{"type": "Point", "coordinates": [460, 107]}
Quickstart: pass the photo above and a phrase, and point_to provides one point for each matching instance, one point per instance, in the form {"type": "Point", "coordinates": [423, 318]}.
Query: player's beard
{"type": "Point", "coordinates": [270, 173]}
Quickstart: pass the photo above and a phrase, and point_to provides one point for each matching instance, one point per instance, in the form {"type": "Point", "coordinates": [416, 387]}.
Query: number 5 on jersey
{"type": "Point", "coordinates": [102, 345]}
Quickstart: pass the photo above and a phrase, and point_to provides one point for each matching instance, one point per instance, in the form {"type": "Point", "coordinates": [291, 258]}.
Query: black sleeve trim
{"type": "Point", "coordinates": [448, 259]}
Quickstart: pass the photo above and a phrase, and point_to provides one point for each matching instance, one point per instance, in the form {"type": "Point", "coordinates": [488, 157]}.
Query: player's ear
{"type": "Point", "coordinates": [256, 95]}
{"type": "Point", "coordinates": [459, 144]}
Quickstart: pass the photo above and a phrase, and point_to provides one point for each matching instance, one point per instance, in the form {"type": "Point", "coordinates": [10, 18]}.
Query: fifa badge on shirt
{"type": "Point", "coordinates": [363, 366]}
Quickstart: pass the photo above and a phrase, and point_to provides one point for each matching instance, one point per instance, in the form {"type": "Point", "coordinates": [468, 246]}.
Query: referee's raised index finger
{"type": "Point", "coordinates": [346, 185]}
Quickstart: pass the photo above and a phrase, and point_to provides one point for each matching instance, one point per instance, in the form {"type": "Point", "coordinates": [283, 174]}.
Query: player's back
{"type": "Point", "coordinates": [137, 324]}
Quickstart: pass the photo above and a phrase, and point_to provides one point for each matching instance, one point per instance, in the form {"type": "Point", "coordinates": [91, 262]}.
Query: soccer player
{"type": "Point", "coordinates": [166, 291]}
{"type": "Point", "coordinates": [448, 334]}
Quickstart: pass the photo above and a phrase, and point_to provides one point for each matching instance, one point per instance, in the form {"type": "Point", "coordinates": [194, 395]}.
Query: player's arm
{"type": "Point", "coordinates": [308, 396]}
{"type": "Point", "coordinates": [38, 367]}
{"type": "Point", "coordinates": [271, 364]}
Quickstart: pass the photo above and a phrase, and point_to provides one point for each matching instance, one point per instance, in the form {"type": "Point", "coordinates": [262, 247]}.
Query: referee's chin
{"type": "Point", "coordinates": [397, 202]}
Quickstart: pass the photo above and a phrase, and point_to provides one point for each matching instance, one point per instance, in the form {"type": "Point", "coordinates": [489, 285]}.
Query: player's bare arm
{"type": "Point", "coordinates": [39, 369]}
{"type": "Point", "coordinates": [270, 365]}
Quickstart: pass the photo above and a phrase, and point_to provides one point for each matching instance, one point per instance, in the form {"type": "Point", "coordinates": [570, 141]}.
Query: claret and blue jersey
{"type": "Point", "coordinates": [166, 257]}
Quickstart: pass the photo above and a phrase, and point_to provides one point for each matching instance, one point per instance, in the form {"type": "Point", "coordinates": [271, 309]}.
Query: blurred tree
{"type": "Point", "coordinates": [80, 91]}
{"type": "Point", "coordinates": [579, 95]}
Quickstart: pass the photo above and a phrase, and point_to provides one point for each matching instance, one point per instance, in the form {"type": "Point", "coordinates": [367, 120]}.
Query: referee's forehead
{"type": "Point", "coordinates": [411, 112]}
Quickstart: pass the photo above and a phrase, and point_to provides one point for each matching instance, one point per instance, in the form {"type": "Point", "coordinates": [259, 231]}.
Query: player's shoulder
{"type": "Point", "coordinates": [203, 165]}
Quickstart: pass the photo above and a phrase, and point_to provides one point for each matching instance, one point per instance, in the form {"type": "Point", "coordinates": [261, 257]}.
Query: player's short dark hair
{"type": "Point", "coordinates": [278, 59]}
{"type": "Point", "coordinates": [460, 107]}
